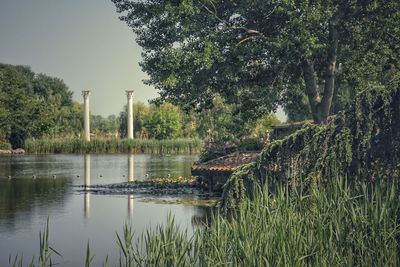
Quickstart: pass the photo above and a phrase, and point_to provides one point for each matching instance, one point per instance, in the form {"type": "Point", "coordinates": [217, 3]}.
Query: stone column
{"type": "Point", "coordinates": [131, 168]}
{"type": "Point", "coordinates": [86, 94]}
{"type": "Point", "coordinates": [129, 94]}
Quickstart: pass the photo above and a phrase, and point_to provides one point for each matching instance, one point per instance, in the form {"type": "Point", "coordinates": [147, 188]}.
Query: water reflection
{"type": "Point", "coordinates": [87, 178]}
{"type": "Point", "coordinates": [21, 197]}
{"type": "Point", "coordinates": [130, 204]}
{"type": "Point", "coordinates": [131, 169]}
{"type": "Point", "coordinates": [131, 177]}
{"type": "Point", "coordinates": [26, 202]}
{"type": "Point", "coordinates": [202, 216]}
{"type": "Point", "coordinates": [87, 171]}
{"type": "Point", "coordinates": [86, 204]}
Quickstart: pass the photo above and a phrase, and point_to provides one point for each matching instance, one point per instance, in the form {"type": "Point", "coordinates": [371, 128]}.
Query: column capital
{"type": "Point", "coordinates": [85, 93]}
{"type": "Point", "coordinates": [129, 94]}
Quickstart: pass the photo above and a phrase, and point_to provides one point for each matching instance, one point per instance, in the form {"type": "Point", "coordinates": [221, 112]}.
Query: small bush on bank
{"type": "Point", "coordinates": [5, 146]}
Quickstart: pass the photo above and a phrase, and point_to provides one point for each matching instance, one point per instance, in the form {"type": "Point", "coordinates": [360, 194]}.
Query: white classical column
{"type": "Point", "coordinates": [129, 94]}
{"type": "Point", "coordinates": [131, 168]}
{"type": "Point", "coordinates": [86, 94]}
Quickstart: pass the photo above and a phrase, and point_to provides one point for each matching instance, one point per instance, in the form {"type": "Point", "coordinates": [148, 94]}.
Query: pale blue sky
{"type": "Point", "coordinates": [80, 41]}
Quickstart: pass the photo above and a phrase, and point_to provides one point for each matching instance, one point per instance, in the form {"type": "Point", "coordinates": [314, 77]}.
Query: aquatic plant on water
{"type": "Point", "coordinates": [154, 186]}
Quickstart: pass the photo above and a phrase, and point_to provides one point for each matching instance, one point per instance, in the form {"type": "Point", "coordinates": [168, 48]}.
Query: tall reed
{"type": "Point", "coordinates": [45, 252]}
{"type": "Point", "coordinates": [175, 146]}
{"type": "Point", "coordinates": [340, 224]}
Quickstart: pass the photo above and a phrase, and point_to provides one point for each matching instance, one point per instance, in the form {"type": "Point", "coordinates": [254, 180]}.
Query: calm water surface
{"type": "Point", "coordinates": [76, 217]}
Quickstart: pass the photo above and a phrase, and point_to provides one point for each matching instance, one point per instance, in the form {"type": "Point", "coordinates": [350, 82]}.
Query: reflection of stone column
{"type": "Point", "coordinates": [131, 168]}
{"type": "Point", "coordinates": [86, 205]}
{"type": "Point", "coordinates": [130, 204]}
{"type": "Point", "coordinates": [129, 94]}
{"type": "Point", "coordinates": [87, 170]}
{"type": "Point", "coordinates": [86, 94]}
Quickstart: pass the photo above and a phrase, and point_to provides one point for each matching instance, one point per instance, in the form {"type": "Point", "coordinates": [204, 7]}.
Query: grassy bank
{"type": "Point", "coordinates": [176, 146]}
{"type": "Point", "coordinates": [338, 225]}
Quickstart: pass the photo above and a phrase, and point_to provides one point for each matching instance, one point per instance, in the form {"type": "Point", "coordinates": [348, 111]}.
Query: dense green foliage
{"type": "Point", "coordinates": [100, 125]}
{"type": "Point", "coordinates": [140, 114]}
{"type": "Point", "coordinates": [310, 56]}
{"type": "Point", "coordinates": [164, 122]}
{"type": "Point", "coordinates": [33, 105]}
{"type": "Point", "coordinates": [338, 224]}
{"type": "Point", "coordinates": [113, 145]}
{"type": "Point", "coordinates": [362, 143]}
{"type": "Point", "coordinates": [227, 133]}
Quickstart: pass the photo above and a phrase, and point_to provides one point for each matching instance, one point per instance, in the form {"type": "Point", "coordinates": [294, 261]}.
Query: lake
{"type": "Point", "coordinates": [75, 216]}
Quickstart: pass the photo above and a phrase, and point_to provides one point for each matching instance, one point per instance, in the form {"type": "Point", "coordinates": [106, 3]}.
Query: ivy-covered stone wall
{"type": "Point", "coordinates": [360, 143]}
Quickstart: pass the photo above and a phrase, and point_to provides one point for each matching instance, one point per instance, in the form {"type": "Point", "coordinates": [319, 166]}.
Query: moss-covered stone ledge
{"type": "Point", "coordinates": [361, 143]}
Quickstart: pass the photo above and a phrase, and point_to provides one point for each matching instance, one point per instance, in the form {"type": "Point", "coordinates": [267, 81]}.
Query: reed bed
{"type": "Point", "coordinates": [175, 146]}
{"type": "Point", "coordinates": [340, 224]}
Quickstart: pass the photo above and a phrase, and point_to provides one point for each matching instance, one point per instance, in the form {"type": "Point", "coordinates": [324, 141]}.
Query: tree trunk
{"type": "Point", "coordinates": [312, 90]}
{"type": "Point", "coordinates": [330, 71]}
{"type": "Point", "coordinates": [321, 105]}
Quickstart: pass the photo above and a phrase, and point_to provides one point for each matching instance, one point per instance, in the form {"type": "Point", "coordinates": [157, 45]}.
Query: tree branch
{"type": "Point", "coordinates": [243, 28]}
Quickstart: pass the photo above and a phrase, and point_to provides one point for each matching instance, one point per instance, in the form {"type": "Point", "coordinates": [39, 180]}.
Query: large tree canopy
{"type": "Point", "coordinates": [260, 53]}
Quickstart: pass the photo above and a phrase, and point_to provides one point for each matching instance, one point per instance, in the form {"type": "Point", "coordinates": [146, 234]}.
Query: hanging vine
{"type": "Point", "coordinates": [360, 143]}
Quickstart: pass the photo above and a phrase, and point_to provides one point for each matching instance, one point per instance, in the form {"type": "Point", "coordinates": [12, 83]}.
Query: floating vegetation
{"type": "Point", "coordinates": [185, 200]}
{"type": "Point", "coordinates": [155, 186]}
{"type": "Point", "coordinates": [62, 145]}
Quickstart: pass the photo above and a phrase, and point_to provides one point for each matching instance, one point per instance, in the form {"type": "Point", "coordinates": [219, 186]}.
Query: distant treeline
{"type": "Point", "coordinates": [33, 105]}
{"type": "Point", "coordinates": [37, 106]}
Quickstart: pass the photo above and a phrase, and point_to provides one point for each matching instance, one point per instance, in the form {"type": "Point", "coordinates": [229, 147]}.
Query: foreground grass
{"type": "Point", "coordinates": [337, 225]}
{"type": "Point", "coordinates": [175, 146]}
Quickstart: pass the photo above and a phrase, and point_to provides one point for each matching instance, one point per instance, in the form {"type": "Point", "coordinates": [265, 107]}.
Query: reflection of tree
{"type": "Point", "coordinates": [22, 196]}
{"type": "Point", "coordinates": [160, 166]}
{"type": "Point", "coordinates": [202, 216]}
{"type": "Point", "coordinates": [40, 165]}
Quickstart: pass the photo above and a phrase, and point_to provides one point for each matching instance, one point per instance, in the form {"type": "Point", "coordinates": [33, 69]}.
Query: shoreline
{"type": "Point", "coordinates": [113, 146]}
